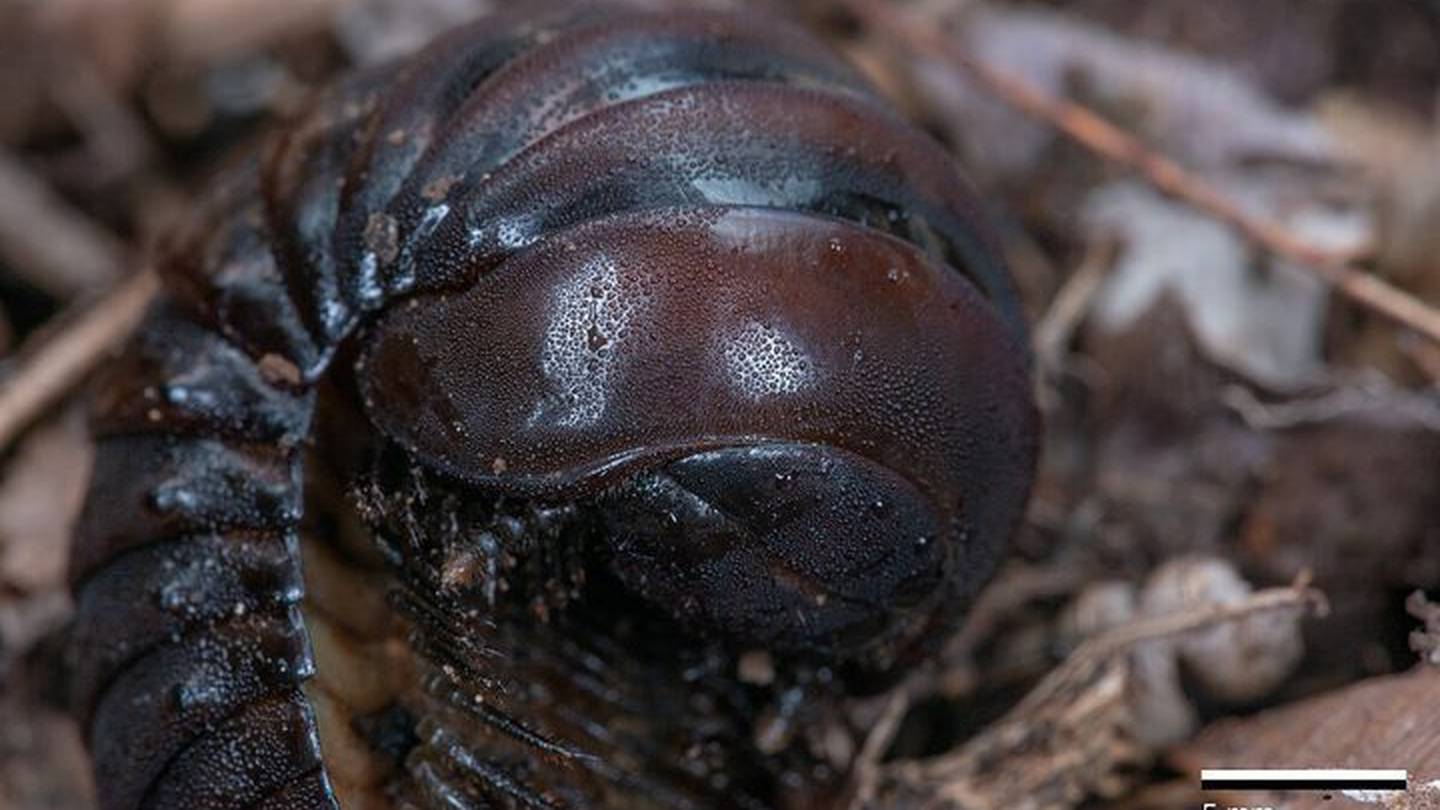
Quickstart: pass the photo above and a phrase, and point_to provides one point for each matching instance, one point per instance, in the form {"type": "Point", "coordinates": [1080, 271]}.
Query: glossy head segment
{"type": "Point", "coordinates": [627, 354]}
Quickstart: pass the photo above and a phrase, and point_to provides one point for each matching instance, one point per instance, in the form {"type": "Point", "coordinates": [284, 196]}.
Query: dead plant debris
{"type": "Point", "coordinates": [1220, 217]}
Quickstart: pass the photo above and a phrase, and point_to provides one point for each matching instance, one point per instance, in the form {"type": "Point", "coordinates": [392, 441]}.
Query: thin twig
{"type": "Point", "coordinates": [1068, 310]}
{"type": "Point", "coordinates": [207, 32]}
{"type": "Point", "coordinates": [55, 361]}
{"type": "Point", "coordinates": [866, 772]}
{"type": "Point", "coordinates": [1073, 733]}
{"type": "Point", "coordinates": [1014, 588]}
{"type": "Point", "coordinates": [43, 239]}
{"type": "Point", "coordinates": [1085, 127]}
{"type": "Point", "coordinates": [116, 141]}
{"type": "Point", "coordinates": [1297, 595]}
{"type": "Point", "coordinates": [1394, 408]}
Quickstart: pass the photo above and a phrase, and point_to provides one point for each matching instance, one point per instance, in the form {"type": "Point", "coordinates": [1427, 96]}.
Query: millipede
{"type": "Point", "coordinates": [569, 415]}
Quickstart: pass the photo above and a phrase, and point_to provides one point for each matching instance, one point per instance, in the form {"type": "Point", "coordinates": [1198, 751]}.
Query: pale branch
{"type": "Point", "coordinates": [48, 243]}
{"type": "Point", "coordinates": [56, 359]}
{"type": "Point", "coordinates": [1093, 132]}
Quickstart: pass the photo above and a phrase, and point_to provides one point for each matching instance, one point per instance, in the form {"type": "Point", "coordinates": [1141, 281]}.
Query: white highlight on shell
{"type": "Point", "coordinates": [434, 215]}
{"type": "Point", "coordinates": [748, 191]}
{"type": "Point", "coordinates": [590, 315]}
{"type": "Point", "coordinates": [512, 233]}
{"type": "Point", "coordinates": [762, 362]}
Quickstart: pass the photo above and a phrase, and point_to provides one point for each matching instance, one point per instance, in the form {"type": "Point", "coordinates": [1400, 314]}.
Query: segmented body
{"type": "Point", "coordinates": [408, 243]}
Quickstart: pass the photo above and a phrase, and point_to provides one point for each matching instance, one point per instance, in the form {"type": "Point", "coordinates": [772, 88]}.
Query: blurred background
{"type": "Point", "coordinates": [1221, 422]}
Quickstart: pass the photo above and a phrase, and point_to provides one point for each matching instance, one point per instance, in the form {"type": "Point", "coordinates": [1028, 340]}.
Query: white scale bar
{"type": "Point", "coordinates": [1305, 778]}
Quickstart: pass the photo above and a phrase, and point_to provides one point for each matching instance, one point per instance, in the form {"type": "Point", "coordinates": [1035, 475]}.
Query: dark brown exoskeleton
{"type": "Point", "coordinates": [645, 341]}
